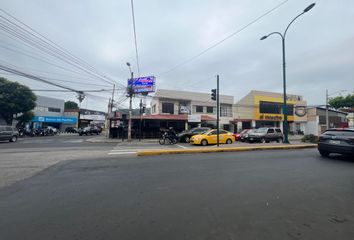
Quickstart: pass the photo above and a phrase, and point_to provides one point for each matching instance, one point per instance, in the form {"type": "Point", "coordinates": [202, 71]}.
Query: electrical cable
{"type": "Point", "coordinates": [222, 40]}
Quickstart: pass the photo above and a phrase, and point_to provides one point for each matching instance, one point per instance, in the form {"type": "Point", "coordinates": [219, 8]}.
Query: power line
{"type": "Point", "coordinates": [48, 46]}
{"type": "Point", "coordinates": [223, 40]}
{"type": "Point", "coordinates": [136, 44]}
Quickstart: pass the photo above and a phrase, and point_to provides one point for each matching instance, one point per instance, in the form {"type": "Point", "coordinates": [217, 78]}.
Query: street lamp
{"type": "Point", "coordinates": [130, 94]}
{"type": "Point", "coordinates": [285, 125]}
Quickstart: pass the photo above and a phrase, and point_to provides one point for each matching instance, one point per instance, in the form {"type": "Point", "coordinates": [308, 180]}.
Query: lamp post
{"type": "Point", "coordinates": [285, 112]}
{"type": "Point", "coordinates": [130, 94]}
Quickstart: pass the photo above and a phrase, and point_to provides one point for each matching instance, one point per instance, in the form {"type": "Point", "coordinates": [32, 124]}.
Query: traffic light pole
{"type": "Point", "coordinates": [217, 109]}
{"type": "Point", "coordinates": [130, 109]}
{"type": "Point", "coordinates": [141, 114]}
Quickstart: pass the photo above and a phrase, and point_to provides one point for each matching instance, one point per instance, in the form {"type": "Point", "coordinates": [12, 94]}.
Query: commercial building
{"type": "Point", "coordinates": [260, 109]}
{"type": "Point", "coordinates": [183, 110]}
{"type": "Point", "coordinates": [50, 112]}
{"type": "Point", "coordinates": [316, 120]}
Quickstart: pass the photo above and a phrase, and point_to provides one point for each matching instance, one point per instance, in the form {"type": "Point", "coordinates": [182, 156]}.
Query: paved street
{"type": "Point", "coordinates": [287, 194]}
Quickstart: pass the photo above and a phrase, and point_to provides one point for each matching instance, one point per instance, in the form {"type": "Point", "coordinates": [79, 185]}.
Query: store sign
{"type": "Point", "coordinates": [194, 118]}
{"type": "Point", "coordinates": [300, 111]}
{"type": "Point", "coordinates": [67, 120]}
{"type": "Point", "coordinates": [268, 117]}
{"type": "Point", "coordinates": [142, 84]}
{"type": "Point", "coordinates": [93, 117]}
{"type": "Point", "coordinates": [183, 108]}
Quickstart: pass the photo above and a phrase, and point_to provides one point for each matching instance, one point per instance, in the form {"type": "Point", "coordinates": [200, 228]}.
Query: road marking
{"type": "Point", "coordinates": [182, 146]}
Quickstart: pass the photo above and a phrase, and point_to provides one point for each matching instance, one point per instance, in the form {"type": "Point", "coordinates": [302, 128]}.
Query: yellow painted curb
{"type": "Point", "coordinates": [208, 150]}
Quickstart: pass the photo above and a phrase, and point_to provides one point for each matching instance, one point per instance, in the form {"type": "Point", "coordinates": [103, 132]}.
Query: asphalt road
{"type": "Point", "coordinates": [286, 194]}
{"type": "Point", "coordinates": [29, 156]}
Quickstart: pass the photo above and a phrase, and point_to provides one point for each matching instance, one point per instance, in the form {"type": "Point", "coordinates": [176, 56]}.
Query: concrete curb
{"type": "Point", "coordinates": [213, 150]}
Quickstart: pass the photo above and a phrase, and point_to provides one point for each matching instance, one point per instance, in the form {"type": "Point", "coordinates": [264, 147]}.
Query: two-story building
{"type": "Point", "coordinates": [260, 109]}
{"type": "Point", "coordinates": [191, 109]}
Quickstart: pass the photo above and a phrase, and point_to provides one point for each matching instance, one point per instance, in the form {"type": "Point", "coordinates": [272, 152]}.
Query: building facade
{"type": "Point", "coordinates": [261, 109]}
{"type": "Point", "coordinates": [192, 108]}
{"type": "Point", "coordinates": [316, 120]}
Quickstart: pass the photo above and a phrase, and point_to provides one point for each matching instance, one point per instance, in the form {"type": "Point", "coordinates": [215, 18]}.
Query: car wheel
{"type": "Point", "coordinates": [324, 153]}
{"type": "Point", "coordinates": [263, 140]}
{"type": "Point", "coordinates": [13, 139]}
{"type": "Point", "coordinates": [279, 140]}
{"type": "Point", "coordinates": [187, 140]}
{"type": "Point", "coordinates": [228, 141]}
{"type": "Point", "coordinates": [204, 142]}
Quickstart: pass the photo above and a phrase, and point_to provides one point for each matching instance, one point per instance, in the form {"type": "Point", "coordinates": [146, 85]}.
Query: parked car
{"type": "Point", "coordinates": [245, 133]}
{"type": "Point", "coordinates": [185, 136]}
{"type": "Point", "coordinates": [71, 130]}
{"type": "Point", "coordinates": [337, 141]}
{"type": "Point", "coordinates": [266, 135]}
{"type": "Point", "coordinates": [210, 137]}
{"type": "Point", "coordinates": [85, 131]}
{"type": "Point", "coordinates": [89, 131]}
{"type": "Point", "coordinates": [52, 130]}
{"type": "Point", "coordinates": [8, 133]}
{"type": "Point", "coordinates": [238, 135]}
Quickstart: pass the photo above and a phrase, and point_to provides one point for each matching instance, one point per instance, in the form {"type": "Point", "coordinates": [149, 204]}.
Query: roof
{"type": "Point", "coordinates": [172, 117]}
{"type": "Point", "coordinates": [330, 110]}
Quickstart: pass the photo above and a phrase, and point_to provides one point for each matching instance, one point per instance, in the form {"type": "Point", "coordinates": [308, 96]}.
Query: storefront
{"type": "Point", "coordinates": [266, 109]}
{"type": "Point", "coordinates": [57, 122]}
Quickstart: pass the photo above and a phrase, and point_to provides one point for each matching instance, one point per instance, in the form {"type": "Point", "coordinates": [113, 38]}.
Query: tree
{"type": "Point", "coordinates": [71, 105]}
{"type": "Point", "coordinates": [24, 118]}
{"type": "Point", "coordinates": [15, 99]}
{"type": "Point", "coordinates": [342, 102]}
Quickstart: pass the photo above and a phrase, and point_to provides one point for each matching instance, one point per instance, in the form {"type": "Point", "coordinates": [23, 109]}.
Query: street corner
{"type": "Point", "coordinates": [213, 149]}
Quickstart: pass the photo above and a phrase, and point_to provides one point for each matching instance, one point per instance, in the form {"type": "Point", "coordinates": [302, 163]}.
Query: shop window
{"type": "Point", "coordinates": [199, 109]}
{"type": "Point", "coordinates": [168, 108]}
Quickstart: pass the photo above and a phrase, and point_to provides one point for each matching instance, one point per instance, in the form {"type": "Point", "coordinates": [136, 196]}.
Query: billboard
{"type": "Point", "coordinates": [142, 84]}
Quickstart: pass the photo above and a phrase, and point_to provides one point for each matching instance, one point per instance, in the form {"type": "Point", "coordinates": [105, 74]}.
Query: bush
{"type": "Point", "coordinates": [310, 138]}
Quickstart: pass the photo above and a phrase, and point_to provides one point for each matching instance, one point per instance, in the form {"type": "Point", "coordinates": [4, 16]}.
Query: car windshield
{"type": "Point", "coordinates": [261, 130]}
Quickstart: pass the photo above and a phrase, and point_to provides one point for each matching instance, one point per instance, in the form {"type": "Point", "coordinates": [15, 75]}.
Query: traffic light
{"type": "Point", "coordinates": [213, 94]}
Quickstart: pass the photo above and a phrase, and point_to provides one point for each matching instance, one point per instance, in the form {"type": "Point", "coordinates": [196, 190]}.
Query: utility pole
{"type": "Point", "coordinates": [217, 109]}
{"type": "Point", "coordinates": [141, 114]}
{"type": "Point", "coordinates": [327, 117]}
{"type": "Point", "coordinates": [130, 107]}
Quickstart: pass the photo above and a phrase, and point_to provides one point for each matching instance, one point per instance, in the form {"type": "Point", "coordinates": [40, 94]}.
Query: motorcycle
{"type": "Point", "coordinates": [166, 138]}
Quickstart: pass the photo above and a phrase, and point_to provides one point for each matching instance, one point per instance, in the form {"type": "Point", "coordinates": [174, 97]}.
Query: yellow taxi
{"type": "Point", "coordinates": [210, 136]}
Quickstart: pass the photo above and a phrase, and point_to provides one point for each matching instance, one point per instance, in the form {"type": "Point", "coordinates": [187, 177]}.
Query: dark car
{"type": "Point", "coordinates": [71, 130]}
{"type": "Point", "coordinates": [185, 136]}
{"type": "Point", "coordinates": [266, 135]}
{"type": "Point", "coordinates": [337, 141]}
{"type": "Point", "coordinates": [8, 133]}
{"type": "Point", "coordinates": [245, 133]}
{"type": "Point", "coordinates": [85, 131]}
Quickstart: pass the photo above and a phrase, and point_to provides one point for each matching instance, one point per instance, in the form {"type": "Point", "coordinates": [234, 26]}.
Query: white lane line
{"type": "Point", "coordinates": [181, 146]}
{"type": "Point", "coordinates": [120, 153]}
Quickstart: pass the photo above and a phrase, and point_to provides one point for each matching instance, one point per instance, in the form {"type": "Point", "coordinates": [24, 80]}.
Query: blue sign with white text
{"type": "Point", "coordinates": [142, 84]}
{"type": "Point", "coordinates": [67, 120]}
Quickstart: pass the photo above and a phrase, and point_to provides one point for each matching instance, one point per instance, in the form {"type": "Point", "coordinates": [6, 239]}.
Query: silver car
{"type": "Point", "coordinates": [8, 133]}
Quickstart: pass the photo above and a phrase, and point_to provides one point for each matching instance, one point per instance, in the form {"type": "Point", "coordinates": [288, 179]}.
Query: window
{"type": "Point", "coordinates": [225, 111]}
{"type": "Point", "coordinates": [210, 109]}
{"type": "Point", "coordinates": [278, 130]}
{"type": "Point", "coordinates": [168, 108]}
{"type": "Point", "coordinates": [275, 108]}
{"type": "Point", "coordinates": [50, 109]}
{"type": "Point", "coordinates": [199, 109]}
{"type": "Point", "coordinates": [8, 128]}
{"type": "Point", "coordinates": [213, 132]}
{"type": "Point", "coordinates": [153, 109]}
{"type": "Point", "coordinates": [271, 130]}
{"type": "Point", "coordinates": [270, 107]}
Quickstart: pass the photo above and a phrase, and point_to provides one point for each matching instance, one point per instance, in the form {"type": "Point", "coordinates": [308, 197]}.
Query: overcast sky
{"type": "Point", "coordinates": [319, 45]}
